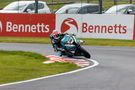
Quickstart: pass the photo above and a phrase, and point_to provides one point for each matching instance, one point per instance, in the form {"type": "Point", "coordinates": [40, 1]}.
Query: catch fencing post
{"type": "Point", "coordinates": [115, 2]}
{"type": "Point", "coordinates": [36, 6]}
{"type": "Point", "coordinates": [130, 1]}
{"type": "Point", "coordinates": [100, 6]}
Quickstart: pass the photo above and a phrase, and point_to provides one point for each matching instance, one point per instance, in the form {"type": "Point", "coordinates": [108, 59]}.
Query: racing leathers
{"type": "Point", "coordinates": [56, 43]}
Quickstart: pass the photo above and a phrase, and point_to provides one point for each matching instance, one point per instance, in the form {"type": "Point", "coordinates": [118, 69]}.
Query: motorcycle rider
{"type": "Point", "coordinates": [56, 37]}
{"type": "Point", "coordinates": [67, 44]}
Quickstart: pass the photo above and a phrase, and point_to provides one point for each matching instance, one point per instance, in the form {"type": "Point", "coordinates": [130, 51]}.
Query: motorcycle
{"type": "Point", "coordinates": [71, 46]}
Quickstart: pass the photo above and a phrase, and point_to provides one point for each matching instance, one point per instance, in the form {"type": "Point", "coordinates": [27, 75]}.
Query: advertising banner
{"type": "Point", "coordinates": [83, 25]}
{"type": "Point", "coordinates": [97, 26]}
{"type": "Point", "coordinates": [27, 25]}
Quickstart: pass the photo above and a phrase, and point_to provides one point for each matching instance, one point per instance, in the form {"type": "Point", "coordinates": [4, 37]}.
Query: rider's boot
{"type": "Point", "coordinates": [59, 53]}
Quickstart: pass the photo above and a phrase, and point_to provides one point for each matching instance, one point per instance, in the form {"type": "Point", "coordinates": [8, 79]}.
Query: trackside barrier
{"type": "Point", "coordinates": [134, 29]}
{"type": "Point", "coordinates": [97, 26]}
{"type": "Point", "coordinates": [83, 25]}
{"type": "Point", "coordinates": [27, 25]}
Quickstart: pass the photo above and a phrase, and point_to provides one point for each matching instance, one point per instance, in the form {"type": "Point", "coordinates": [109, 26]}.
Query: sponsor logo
{"type": "Point", "coordinates": [0, 26]}
{"type": "Point", "coordinates": [69, 25]}
{"type": "Point", "coordinates": [37, 28]}
{"type": "Point", "coordinates": [117, 28]}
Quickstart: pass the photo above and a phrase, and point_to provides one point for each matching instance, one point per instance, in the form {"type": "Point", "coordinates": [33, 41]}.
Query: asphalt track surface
{"type": "Point", "coordinates": [116, 70]}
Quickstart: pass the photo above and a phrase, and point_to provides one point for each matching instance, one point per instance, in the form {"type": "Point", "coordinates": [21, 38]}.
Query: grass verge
{"type": "Point", "coordinates": [88, 41]}
{"type": "Point", "coordinates": [19, 65]}
{"type": "Point", "coordinates": [109, 42]}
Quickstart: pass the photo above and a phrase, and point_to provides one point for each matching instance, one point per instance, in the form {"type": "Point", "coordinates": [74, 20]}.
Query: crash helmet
{"type": "Point", "coordinates": [55, 34]}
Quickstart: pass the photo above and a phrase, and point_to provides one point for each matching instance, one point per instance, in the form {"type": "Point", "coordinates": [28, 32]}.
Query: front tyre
{"type": "Point", "coordinates": [85, 53]}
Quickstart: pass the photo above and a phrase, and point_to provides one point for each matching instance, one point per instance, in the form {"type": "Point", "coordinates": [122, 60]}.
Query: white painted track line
{"type": "Point", "coordinates": [95, 63]}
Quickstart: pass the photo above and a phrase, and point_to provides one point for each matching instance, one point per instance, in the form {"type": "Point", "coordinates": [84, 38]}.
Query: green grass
{"type": "Point", "coordinates": [25, 40]}
{"type": "Point", "coordinates": [88, 41]}
{"type": "Point", "coordinates": [109, 42]}
{"type": "Point", "coordinates": [4, 3]}
{"type": "Point", "coordinates": [18, 66]}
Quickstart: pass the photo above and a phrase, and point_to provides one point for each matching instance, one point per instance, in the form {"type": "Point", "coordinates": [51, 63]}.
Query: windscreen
{"type": "Point", "coordinates": [117, 9]}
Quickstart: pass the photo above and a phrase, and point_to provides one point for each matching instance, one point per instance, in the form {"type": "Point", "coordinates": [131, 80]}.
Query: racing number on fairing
{"type": "Point", "coordinates": [71, 40]}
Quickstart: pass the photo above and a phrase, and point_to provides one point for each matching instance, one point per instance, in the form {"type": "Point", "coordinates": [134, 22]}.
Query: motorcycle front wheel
{"type": "Point", "coordinates": [85, 53]}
